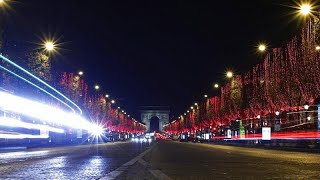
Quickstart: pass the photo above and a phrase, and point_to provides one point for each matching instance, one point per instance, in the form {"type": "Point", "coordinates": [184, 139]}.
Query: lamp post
{"type": "Point", "coordinates": [262, 47]}
{"type": "Point", "coordinates": [306, 107]}
{"type": "Point", "coordinates": [229, 74]}
{"type": "Point", "coordinates": [277, 122]}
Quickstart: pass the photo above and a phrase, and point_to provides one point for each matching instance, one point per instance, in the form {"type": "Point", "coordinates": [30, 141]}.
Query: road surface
{"type": "Point", "coordinates": [163, 160]}
{"type": "Point", "coordinates": [72, 162]}
{"type": "Point", "coordinates": [181, 160]}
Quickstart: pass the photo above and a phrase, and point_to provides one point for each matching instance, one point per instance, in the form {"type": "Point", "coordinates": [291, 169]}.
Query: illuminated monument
{"type": "Point", "coordinates": [154, 117]}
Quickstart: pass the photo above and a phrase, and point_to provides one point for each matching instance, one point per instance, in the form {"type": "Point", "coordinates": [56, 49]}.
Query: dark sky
{"type": "Point", "coordinates": [155, 52]}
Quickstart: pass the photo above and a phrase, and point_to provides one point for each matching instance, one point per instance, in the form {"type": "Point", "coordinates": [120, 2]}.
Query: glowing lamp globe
{"type": "Point", "coordinates": [262, 47]}
{"type": "Point", "coordinates": [305, 9]}
{"type": "Point", "coordinates": [49, 46]}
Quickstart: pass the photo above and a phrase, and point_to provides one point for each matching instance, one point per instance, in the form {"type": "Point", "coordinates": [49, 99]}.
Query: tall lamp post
{"type": "Point", "coordinates": [277, 121]}
{"type": "Point", "coordinates": [306, 107]}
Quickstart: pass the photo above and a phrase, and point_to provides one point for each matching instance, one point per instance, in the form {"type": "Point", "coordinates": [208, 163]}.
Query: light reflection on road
{"type": "Point", "coordinates": [14, 156]}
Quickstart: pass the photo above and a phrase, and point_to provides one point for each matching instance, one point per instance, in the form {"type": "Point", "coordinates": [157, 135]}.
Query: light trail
{"type": "Point", "coordinates": [10, 122]}
{"type": "Point", "coordinates": [298, 135]}
{"type": "Point", "coordinates": [44, 112]}
{"type": "Point", "coordinates": [38, 79]}
{"type": "Point", "coordinates": [23, 136]}
{"type": "Point", "coordinates": [1, 67]}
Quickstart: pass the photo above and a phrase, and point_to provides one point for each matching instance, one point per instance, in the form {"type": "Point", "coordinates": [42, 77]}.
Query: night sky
{"type": "Point", "coordinates": [155, 52]}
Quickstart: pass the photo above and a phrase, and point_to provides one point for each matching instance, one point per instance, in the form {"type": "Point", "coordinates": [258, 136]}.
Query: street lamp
{"type": "Point", "coordinates": [113, 101]}
{"type": "Point", "coordinates": [229, 74]}
{"type": "Point", "coordinates": [277, 122]}
{"type": "Point", "coordinates": [216, 85]}
{"type": "Point", "coordinates": [191, 107]}
{"type": "Point", "coordinates": [107, 95]}
{"type": "Point", "coordinates": [305, 9]}
{"type": "Point", "coordinates": [205, 96]}
{"type": "Point", "coordinates": [318, 48]}
{"type": "Point", "coordinates": [262, 47]}
{"type": "Point", "coordinates": [49, 46]}
{"type": "Point", "coordinates": [96, 87]}
{"type": "Point", "coordinates": [196, 104]}
{"type": "Point", "coordinates": [80, 73]}
{"type": "Point", "coordinates": [306, 107]}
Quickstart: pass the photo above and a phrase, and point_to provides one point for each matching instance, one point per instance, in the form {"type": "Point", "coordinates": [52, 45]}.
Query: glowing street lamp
{"type": "Point", "coordinates": [80, 73]}
{"type": "Point", "coordinates": [1, 2]}
{"type": "Point", "coordinates": [96, 87]}
{"type": "Point", "coordinates": [216, 85]}
{"type": "Point", "coordinates": [191, 107]}
{"type": "Point", "coordinates": [229, 74]}
{"type": "Point", "coordinates": [205, 96]}
{"type": "Point", "coordinates": [258, 116]}
{"type": "Point", "coordinates": [107, 95]}
{"type": "Point", "coordinates": [318, 48]}
{"type": "Point", "coordinates": [277, 113]}
{"type": "Point", "coordinates": [196, 104]}
{"type": "Point", "coordinates": [119, 107]}
{"type": "Point", "coordinates": [305, 9]}
{"type": "Point", "coordinates": [113, 101]}
{"type": "Point", "coordinates": [49, 46]}
{"type": "Point", "coordinates": [262, 47]}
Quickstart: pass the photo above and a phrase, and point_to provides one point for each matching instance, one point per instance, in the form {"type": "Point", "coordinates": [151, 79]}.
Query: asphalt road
{"type": "Point", "coordinates": [163, 160]}
{"type": "Point", "coordinates": [72, 162]}
{"type": "Point", "coordinates": [181, 160]}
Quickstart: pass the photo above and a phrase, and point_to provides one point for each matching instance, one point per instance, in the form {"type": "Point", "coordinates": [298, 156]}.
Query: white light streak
{"type": "Point", "coordinates": [10, 122]}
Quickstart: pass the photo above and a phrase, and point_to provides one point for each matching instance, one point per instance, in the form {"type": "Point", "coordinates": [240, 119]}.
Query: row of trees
{"type": "Point", "coordinates": [286, 79]}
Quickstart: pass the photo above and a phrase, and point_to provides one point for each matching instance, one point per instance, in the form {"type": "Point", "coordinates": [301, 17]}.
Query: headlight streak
{"type": "Point", "coordinates": [22, 136]}
{"type": "Point", "coordinates": [38, 79]}
{"type": "Point", "coordinates": [37, 87]}
{"type": "Point", "coordinates": [44, 112]}
{"type": "Point", "coordinates": [10, 122]}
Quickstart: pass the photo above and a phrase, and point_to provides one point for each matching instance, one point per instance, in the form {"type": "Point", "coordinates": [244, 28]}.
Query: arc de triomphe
{"type": "Point", "coordinates": [161, 112]}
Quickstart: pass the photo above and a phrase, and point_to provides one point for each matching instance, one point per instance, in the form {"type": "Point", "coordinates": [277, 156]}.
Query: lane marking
{"type": "Point", "coordinates": [117, 172]}
{"type": "Point", "coordinates": [143, 162]}
{"type": "Point", "coordinates": [159, 174]}
{"type": "Point", "coordinates": [155, 172]}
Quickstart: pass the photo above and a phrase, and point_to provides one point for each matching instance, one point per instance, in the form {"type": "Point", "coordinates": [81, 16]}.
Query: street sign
{"type": "Point", "coordinates": [266, 133]}
{"type": "Point", "coordinates": [242, 131]}
{"type": "Point", "coordinates": [229, 133]}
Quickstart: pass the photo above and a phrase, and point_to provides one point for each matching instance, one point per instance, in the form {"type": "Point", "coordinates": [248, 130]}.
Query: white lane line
{"type": "Point", "coordinates": [155, 172]}
{"type": "Point", "coordinates": [159, 174]}
{"type": "Point", "coordinates": [142, 162]}
{"type": "Point", "coordinates": [112, 175]}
